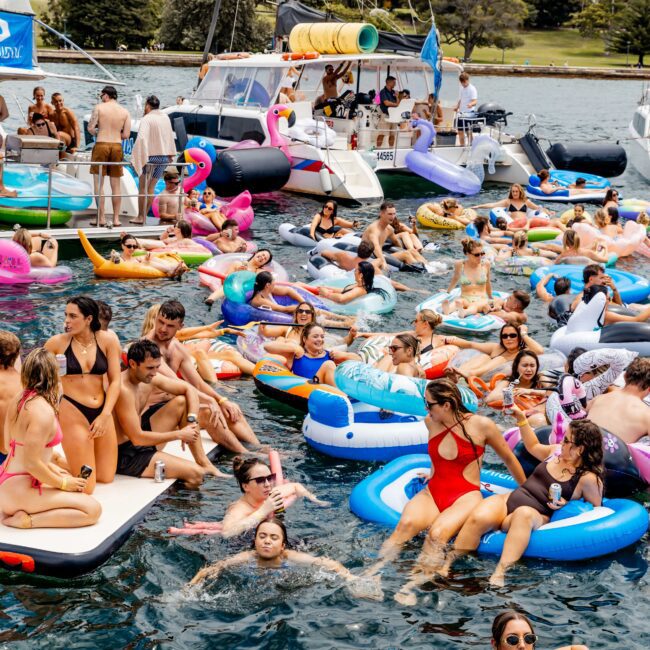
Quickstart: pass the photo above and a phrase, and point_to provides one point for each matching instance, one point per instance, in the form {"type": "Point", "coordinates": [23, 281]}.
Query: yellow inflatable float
{"type": "Point", "coordinates": [429, 218]}
{"type": "Point", "coordinates": [567, 215]}
{"type": "Point", "coordinates": [126, 270]}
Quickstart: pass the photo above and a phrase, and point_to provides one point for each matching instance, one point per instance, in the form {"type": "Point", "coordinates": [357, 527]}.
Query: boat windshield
{"type": "Point", "coordinates": [242, 86]}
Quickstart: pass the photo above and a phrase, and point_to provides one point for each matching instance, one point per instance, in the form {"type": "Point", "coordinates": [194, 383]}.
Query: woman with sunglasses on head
{"type": "Point", "coordinates": [457, 442]}
{"type": "Point", "coordinates": [129, 244]}
{"type": "Point", "coordinates": [270, 551]}
{"type": "Point", "coordinates": [514, 631]}
{"type": "Point", "coordinates": [576, 464]}
{"type": "Point", "coordinates": [327, 224]}
{"type": "Point", "coordinates": [512, 339]}
{"type": "Point", "coordinates": [529, 387]}
{"type": "Point", "coordinates": [91, 387]}
{"type": "Point", "coordinates": [473, 275]}
{"type": "Point", "coordinates": [260, 496]}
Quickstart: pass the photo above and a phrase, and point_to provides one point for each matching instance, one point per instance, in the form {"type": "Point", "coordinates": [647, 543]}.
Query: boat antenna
{"type": "Point", "coordinates": [213, 27]}
{"type": "Point", "coordinates": [234, 25]}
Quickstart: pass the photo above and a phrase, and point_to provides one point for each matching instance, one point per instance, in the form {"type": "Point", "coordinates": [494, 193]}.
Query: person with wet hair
{"type": "Point", "coordinates": [514, 631]}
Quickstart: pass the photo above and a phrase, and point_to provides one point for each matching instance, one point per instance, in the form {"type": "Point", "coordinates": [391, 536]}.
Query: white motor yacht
{"type": "Point", "coordinates": [639, 129]}
{"type": "Point", "coordinates": [337, 150]}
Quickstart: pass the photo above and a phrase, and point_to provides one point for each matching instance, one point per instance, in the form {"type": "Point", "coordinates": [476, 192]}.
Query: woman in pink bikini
{"type": "Point", "coordinates": [34, 492]}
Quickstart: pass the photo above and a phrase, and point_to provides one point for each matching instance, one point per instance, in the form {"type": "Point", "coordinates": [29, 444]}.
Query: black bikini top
{"type": "Point", "coordinates": [100, 367]}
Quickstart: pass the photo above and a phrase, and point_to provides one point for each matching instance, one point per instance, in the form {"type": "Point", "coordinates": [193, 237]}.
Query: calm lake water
{"type": "Point", "coordinates": [135, 600]}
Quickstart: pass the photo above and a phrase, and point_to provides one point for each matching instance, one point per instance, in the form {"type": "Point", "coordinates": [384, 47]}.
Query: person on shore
{"type": "Point", "coordinates": [47, 257]}
{"type": "Point", "coordinates": [91, 387]}
{"type": "Point", "coordinates": [511, 629]}
{"type": "Point", "coordinates": [261, 497]}
{"type": "Point", "coordinates": [387, 99]}
{"type": "Point", "coordinates": [154, 149]}
{"type": "Point", "coordinates": [110, 123]}
{"type": "Point", "coordinates": [473, 276]}
{"type": "Point", "coordinates": [326, 224]}
{"type": "Point", "coordinates": [169, 200]}
{"type": "Point", "coordinates": [270, 552]}
{"type": "Point", "coordinates": [606, 410]}
{"type": "Point", "coordinates": [9, 382]}
{"type": "Point", "coordinates": [34, 492]}
{"type": "Point", "coordinates": [466, 107]}
{"type": "Point", "coordinates": [144, 428]}
{"type": "Point", "coordinates": [222, 418]}
{"type": "Point", "coordinates": [457, 441]}
{"type": "Point", "coordinates": [576, 464]}
{"type": "Point", "coordinates": [228, 240]}
{"type": "Point", "coordinates": [66, 123]}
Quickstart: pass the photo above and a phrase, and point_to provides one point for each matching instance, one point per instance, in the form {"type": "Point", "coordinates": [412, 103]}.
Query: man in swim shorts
{"type": "Point", "coordinates": [143, 429]}
{"type": "Point", "coordinates": [110, 123]}
{"type": "Point", "coordinates": [220, 417]}
{"type": "Point", "coordinates": [624, 412]}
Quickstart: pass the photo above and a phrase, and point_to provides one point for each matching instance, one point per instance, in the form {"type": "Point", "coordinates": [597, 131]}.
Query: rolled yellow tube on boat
{"type": "Point", "coordinates": [334, 38]}
{"type": "Point", "coordinates": [127, 270]}
{"type": "Point", "coordinates": [431, 219]}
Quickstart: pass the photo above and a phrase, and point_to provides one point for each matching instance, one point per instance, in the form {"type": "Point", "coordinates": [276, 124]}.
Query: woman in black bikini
{"type": "Point", "coordinates": [327, 224]}
{"type": "Point", "coordinates": [576, 464]}
{"type": "Point", "coordinates": [86, 409]}
{"type": "Point", "coordinates": [517, 204]}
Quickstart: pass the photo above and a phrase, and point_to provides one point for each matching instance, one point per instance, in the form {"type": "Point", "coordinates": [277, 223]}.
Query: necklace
{"type": "Point", "coordinates": [84, 348]}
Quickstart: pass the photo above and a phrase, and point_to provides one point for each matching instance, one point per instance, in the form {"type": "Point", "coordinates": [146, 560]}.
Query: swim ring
{"type": "Point", "coordinates": [427, 217]}
{"type": "Point", "coordinates": [633, 235]}
{"type": "Point", "coordinates": [15, 267]}
{"type": "Point", "coordinates": [521, 264]}
{"type": "Point", "coordinates": [576, 532]}
{"type": "Point", "coordinates": [379, 301]}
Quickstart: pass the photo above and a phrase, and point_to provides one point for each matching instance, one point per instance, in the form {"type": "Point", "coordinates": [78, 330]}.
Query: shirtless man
{"type": "Point", "coordinates": [510, 309]}
{"type": "Point", "coordinates": [110, 123]}
{"type": "Point", "coordinates": [169, 204]}
{"type": "Point", "coordinates": [623, 412]}
{"type": "Point", "coordinates": [228, 240]}
{"type": "Point", "coordinates": [143, 431]}
{"type": "Point", "coordinates": [380, 230]}
{"type": "Point", "coordinates": [66, 123]}
{"type": "Point", "coordinates": [330, 81]}
{"type": "Point", "coordinates": [221, 418]}
{"type": "Point", "coordinates": [10, 384]}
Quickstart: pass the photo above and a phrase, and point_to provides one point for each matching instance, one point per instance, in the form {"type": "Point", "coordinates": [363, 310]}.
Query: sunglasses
{"type": "Point", "coordinates": [512, 335]}
{"type": "Point", "coordinates": [529, 639]}
{"type": "Point", "coordinates": [479, 254]}
{"type": "Point", "coordinates": [260, 480]}
{"type": "Point", "coordinates": [430, 405]}
{"type": "Point", "coordinates": [131, 246]}
{"type": "Point", "coordinates": [174, 182]}
{"type": "Point", "coordinates": [304, 311]}
{"type": "Point", "coordinates": [567, 441]}
{"type": "Point", "coordinates": [39, 123]}
{"type": "Point", "coordinates": [328, 207]}
{"type": "Point", "coordinates": [395, 348]}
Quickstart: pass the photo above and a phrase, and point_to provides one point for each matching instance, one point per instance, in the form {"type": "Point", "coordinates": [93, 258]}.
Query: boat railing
{"type": "Point", "coordinates": [64, 165]}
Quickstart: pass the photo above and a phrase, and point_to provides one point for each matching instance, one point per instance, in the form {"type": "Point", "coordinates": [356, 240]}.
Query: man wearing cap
{"type": "Point", "coordinates": [153, 151]}
{"type": "Point", "coordinates": [169, 204]}
{"type": "Point", "coordinates": [110, 123]}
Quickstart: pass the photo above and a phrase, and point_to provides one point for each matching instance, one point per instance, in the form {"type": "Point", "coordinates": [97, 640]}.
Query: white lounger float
{"type": "Point", "coordinates": [69, 552]}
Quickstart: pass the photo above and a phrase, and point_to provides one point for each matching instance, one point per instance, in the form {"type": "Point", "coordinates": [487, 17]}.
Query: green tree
{"type": "Point", "coordinates": [593, 20]}
{"type": "Point", "coordinates": [104, 23]}
{"type": "Point", "coordinates": [629, 30]}
{"type": "Point", "coordinates": [479, 23]}
{"type": "Point", "coordinates": [185, 25]}
{"type": "Point", "coordinates": [550, 14]}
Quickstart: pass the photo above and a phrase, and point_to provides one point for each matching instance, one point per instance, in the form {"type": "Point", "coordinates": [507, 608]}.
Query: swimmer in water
{"type": "Point", "coordinates": [270, 552]}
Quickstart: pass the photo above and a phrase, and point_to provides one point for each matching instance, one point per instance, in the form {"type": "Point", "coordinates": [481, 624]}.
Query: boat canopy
{"type": "Point", "coordinates": [17, 6]}
{"type": "Point", "coordinates": [17, 42]}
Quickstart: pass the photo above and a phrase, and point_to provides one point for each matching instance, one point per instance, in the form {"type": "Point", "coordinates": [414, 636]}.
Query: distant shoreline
{"type": "Point", "coordinates": [193, 60]}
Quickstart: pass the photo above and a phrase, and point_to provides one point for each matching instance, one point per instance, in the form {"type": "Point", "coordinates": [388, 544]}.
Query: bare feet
{"type": "Point", "coordinates": [139, 222]}
{"type": "Point", "coordinates": [366, 588]}
{"type": "Point", "coordinates": [117, 224]}
{"type": "Point", "coordinates": [498, 579]}
{"type": "Point", "coordinates": [19, 519]}
{"type": "Point", "coordinates": [211, 470]}
{"type": "Point", "coordinates": [445, 306]}
{"type": "Point", "coordinates": [407, 598]}
{"type": "Point", "coordinates": [10, 194]}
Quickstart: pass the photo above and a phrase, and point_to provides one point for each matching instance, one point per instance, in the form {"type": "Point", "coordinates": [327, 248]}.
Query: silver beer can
{"type": "Point", "coordinates": [62, 364]}
{"type": "Point", "coordinates": [159, 471]}
{"type": "Point", "coordinates": [555, 493]}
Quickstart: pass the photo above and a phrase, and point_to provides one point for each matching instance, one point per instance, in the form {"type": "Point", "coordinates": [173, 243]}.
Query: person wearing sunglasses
{"type": "Point", "coordinates": [129, 244]}
{"type": "Point", "coordinates": [169, 200]}
{"type": "Point", "coordinates": [494, 356]}
{"type": "Point", "coordinates": [402, 358]}
{"type": "Point", "coordinates": [515, 203]}
{"type": "Point", "coordinates": [326, 224]}
{"type": "Point", "coordinates": [451, 492]}
{"type": "Point", "coordinates": [576, 464]}
{"type": "Point", "coordinates": [211, 208]}
{"type": "Point", "coordinates": [514, 631]}
{"type": "Point", "coordinates": [473, 276]}
{"type": "Point", "coordinates": [270, 551]}
{"type": "Point", "coordinates": [611, 199]}
{"type": "Point", "coordinates": [261, 497]}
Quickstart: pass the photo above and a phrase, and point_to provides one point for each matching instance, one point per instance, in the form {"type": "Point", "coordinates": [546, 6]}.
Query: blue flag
{"type": "Point", "coordinates": [16, 41]}
{"type": "Point", "coordinates": [432, 54]}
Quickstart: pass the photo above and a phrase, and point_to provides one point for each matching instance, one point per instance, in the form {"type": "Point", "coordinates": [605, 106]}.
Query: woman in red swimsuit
{"type": "Point", "coordinates": [457, 440]}
{"type": "Point", "coordinates": [35, 493]}
{"type": "Point", "coordinates": [93, 360]}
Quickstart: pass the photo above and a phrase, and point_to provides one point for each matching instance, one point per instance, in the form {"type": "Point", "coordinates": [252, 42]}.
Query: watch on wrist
{"type": "Point", "coordinates": [191, 418]}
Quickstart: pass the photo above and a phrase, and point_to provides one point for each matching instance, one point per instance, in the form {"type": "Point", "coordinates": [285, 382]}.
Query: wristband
{"type": "Point", "coordinates": [523, 423]}
{"type": "Point", "coordinates": [64, 482]}
{"type": "Point", "coordinates": [221, 400]}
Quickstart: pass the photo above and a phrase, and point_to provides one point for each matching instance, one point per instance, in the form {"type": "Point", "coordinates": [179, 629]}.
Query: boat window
{"type": "Point", "coordinates": [211, 86]}
{"type": "Point", "coordinates": [415, 81]}
{"type": "Point", "coordinates": [369, 80]}
{"type": "Point", "coordinates": [237, 128]}
{"type": "Point", "coordinates": [205, 124]}
{"type": "Point", "coordinates": [265, 86]}
{"type": "Point", "coordinates": [310, 81]}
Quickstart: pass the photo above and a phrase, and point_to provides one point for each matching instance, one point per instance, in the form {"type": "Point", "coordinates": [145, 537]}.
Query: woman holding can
{"type": "Point", "coordinates": [91, 386]}
{"type": "Point", "coordinates": [570, 470]}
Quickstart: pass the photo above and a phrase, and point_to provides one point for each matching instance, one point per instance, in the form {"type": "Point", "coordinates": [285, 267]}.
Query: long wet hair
{"type": "Point", "coordinates": [522, 193]}
{"type": "Point", "coordinates": [588, 435]}
{"type": "Point", "coordinates": [40, 374]}
{"type": "Point", "coordinates": [481, 224]}
{"type": "Point", "coordinates": [410, 342]}
{"type": "Point", "coordinates": [262, 280]}
{"type": "Point", "coordinates": [262, 250]}
{"type": "Point", "coordinates": [335, 209]}
{"type": "Point", "coordinates": [609, 195]}
{"type": "Point", "coordinates": [514, 373]}
{"type": "Point", "coordinates": [242, 467]}
{"type": "Point", "coordinates": [279, 523]}
{"type": "Point", "coordinates": [444, 391]}
{"type": "Point", "coordinates": [88, 307]}
{"type": "Point", "coordinates": [501, 622]}
{"type": "Point", "coordinates": [570, 239]}
{"type": "Point", "coordinates": [150, 319]}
